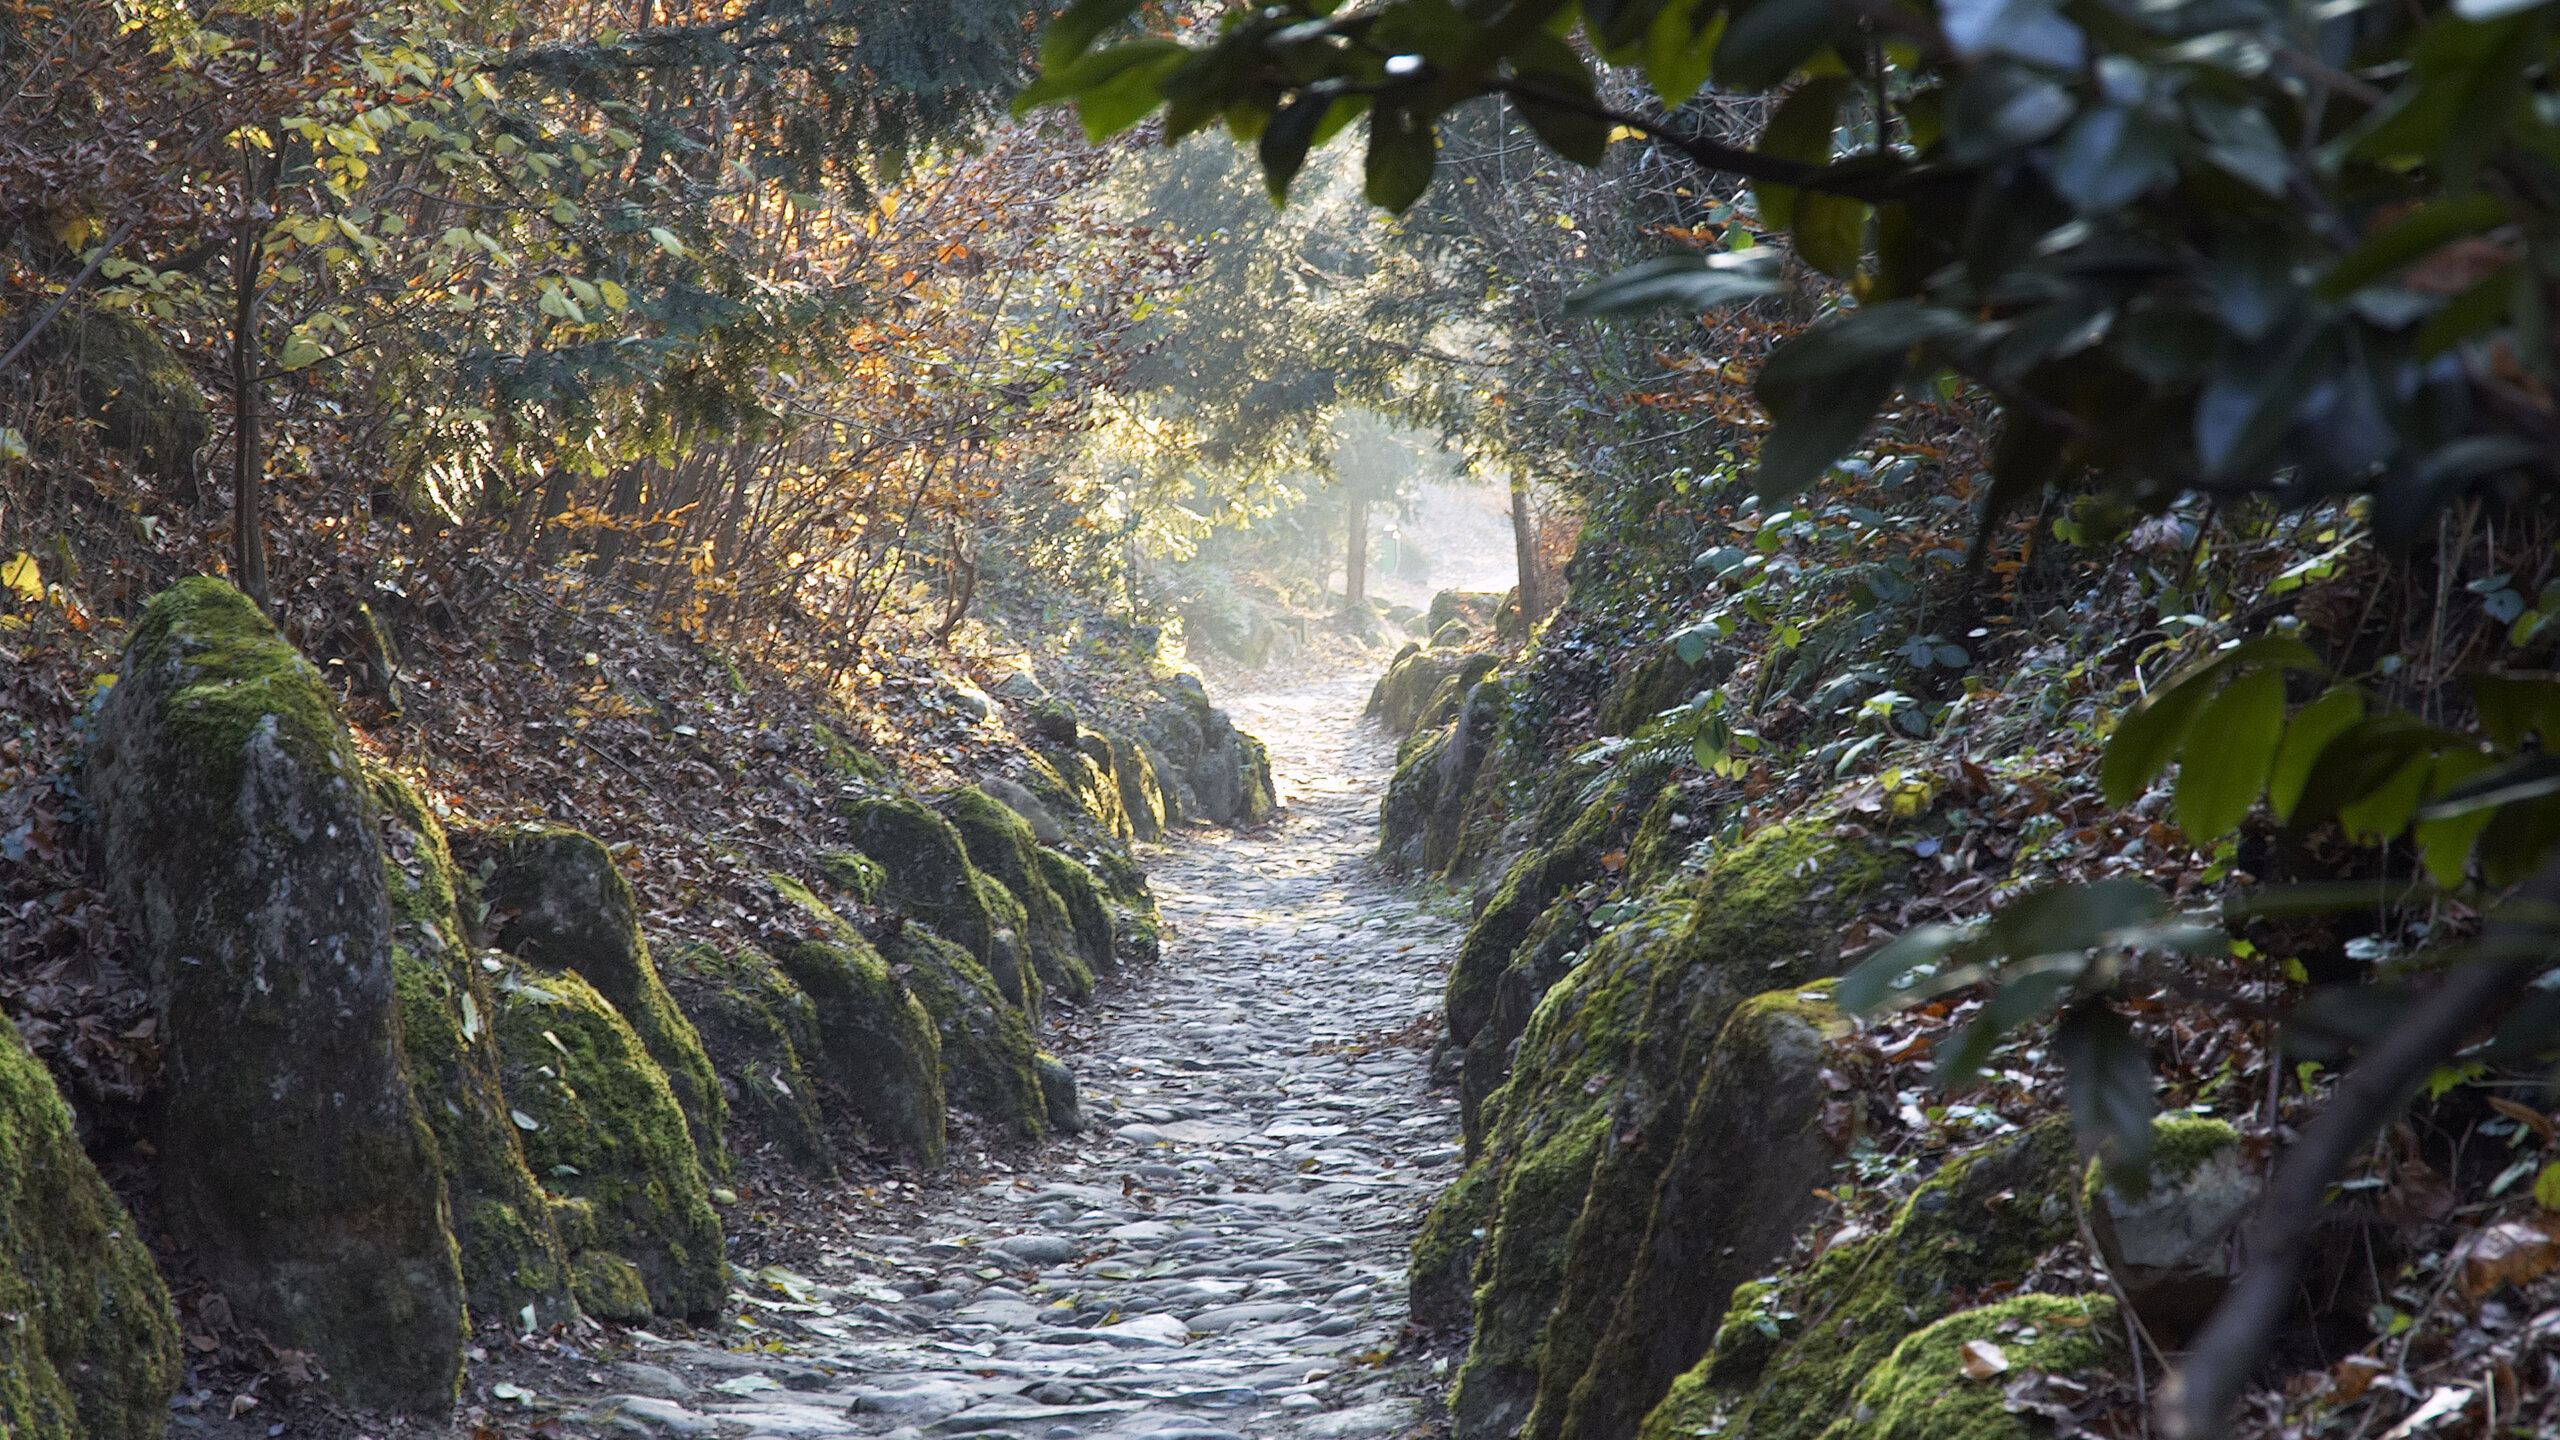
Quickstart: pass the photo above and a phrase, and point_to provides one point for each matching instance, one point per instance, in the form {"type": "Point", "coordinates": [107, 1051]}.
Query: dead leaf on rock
{"type": "Point", "coordinates": [1982, 1359]}
{"type": "Point", "coordinates": [2418, 1195]}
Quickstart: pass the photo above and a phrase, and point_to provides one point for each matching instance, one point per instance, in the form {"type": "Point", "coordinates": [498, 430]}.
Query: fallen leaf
{"type": "Point", "coordinates": [242, 1404]}
{"type": "Point", "coordinates": [2525, 1115]}
{"type": "Point", "coordinates": [1982, 1359]}
{"type": "Point", "coordinates": [2512, 1252]}
{"type": "Point", "coordinates": [509, 1390]}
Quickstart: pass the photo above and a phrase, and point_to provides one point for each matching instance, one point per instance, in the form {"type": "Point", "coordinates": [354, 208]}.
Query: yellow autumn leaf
{"type": "Point", "coordinates": [23, 578]}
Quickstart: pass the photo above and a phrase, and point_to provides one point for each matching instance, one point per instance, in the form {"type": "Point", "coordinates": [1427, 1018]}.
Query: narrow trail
{"type": "Point", "coordinates": [1222, 1253]}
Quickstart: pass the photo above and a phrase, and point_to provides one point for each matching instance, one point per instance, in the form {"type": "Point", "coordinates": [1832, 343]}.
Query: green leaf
{"type": "Point", "coordinates": [2382, 757]}
{"type": "Point", "coordinates": [2219, 780]}
{"type": "Point", "coordinates": [1285, 141]}
{"type": "Point", "coordinates": [2012, 1005]}
{"type": "Point", "coordinates": [1821, 388]}
{"type": "Point", "coordinates": [2318, 723]}
{"type": "Point", "coordinates": [1874, 981]}
{"type": "Point", "coordinates": [1830, 232]}
{"type": "Point", "coordinates": [1074, 31]}
{"type": "Point", "coordinates": [1764, 44]}
{"type": "Point", "coordinates": [2110, 1080]}
{"type": "Point", "coordinates": [1678, 53]}
{"type": "Point", "coordinates": [2072, 918]}
{"type": "Point", "coordinates": [2444, 841]}
{"type": "Point", "coordinates": [1692, 282]}
{"type": "Point", "coordinates": [1402, 152]}
{"type": "Point", "coordinates": [2410, 238]}
{"type": "Point", "coordinates": [1120, 85]}
{"type": "Point", "coordinates": [1800, 131]}
{"type": "Point", "coordinates": [2150, 734]}
{"type": "Point", "coordinates": [2382, 812]}
{"type": "Point", "coordinates": [2514, 704]}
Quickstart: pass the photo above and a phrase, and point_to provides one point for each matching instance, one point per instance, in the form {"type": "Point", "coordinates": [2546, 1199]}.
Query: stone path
{"type": "Point", "coordinates": [1222, 1254]}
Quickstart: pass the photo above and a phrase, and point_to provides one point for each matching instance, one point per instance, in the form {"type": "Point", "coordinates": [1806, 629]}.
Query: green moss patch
{"type": "Point", "coordinates": [990, 1062]}
{"type": "Point", "coordinates": [1922, 1390]}
{"type": "Point", "coordinates": [761, 1034]}
{"type": "Point", "coordinates": [1000, 844]}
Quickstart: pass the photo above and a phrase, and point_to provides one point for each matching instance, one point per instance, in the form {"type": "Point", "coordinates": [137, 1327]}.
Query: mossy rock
{"type": "Point", "coordinates": [1921, 1392]}
{"type": "Point", "coordinates": [929, 877]}
{"type": "Point", "coordinates": [1405, 694]}
{"type": "Point", "coordinates": [1475, 607]}
{"type": "Point", "coordinates": [91, 1351]}
{"type": "Point", "coordinates": [1471, 734]}
{"type": "Point", "coordinates": [514, 1269]}
{"type": "Point", "coordinates": [1650, 1271]}
{"type": "Point", "coordinates": [1440, 1277]}
{"type": "Point", "coordinates": [1066, 778]}
{"type": "Point", "coordinates": [140, 394]}
{"type": "Point", "coordinates": [1088, 914]}
{"type": "Point", "coordinates": [566, 907]}
{"type": "Point", "coordinates": [1532, 884]}
{"type": "Point", "coordinates": [1655, 852]}
{"type": "Point", "coordinates": [1546, 954]}
{"type": "Point", "coordinates": [848, 760]}
{"type": "Point", "coordinates": [990, 1062]}
{"type": "Point", "coordinates": [1657, 683]}
{"type": "Point", "coordinates": [608, 1135]}
{"type": "Point", "coordinates": [1604, 1076]}
{"type": "Point", "coordinates": [1413, 793]}
{"type": "Point", "coordinates": [240, 839]}
{"type": "Point", "coordinates": [1000, 844]}
{"type": "Point", "coordinates": [883, 1050]}
{"type": "Point", "coordinates": [1451, 695]}
{"type": "Point", "coordinates": [761, 1034]}
{"type": "Point", "coordinates": [1141, 790]}
{"type": "Point", "coordinates": [856, 875]}
{"type": "Point", "coordinates": [611, 1288]}
{"type": "Point", "coordinates": [1058, 1093]}
{"type": "Point", "coordinates": [1983, 1220]}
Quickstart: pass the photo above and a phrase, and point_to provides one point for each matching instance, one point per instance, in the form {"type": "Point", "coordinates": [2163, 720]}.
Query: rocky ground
{"type": "Point", "coordinates": [1220, 1254]}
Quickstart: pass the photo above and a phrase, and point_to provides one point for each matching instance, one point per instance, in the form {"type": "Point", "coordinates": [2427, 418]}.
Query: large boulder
{"type": "Point", "coordinates": [1001, 845]}
{"type": "Point", "coordinates": [1141, 789]}
{"type": "Point", "coordinates": [513, 1267]}
{"type": "Point", "coordinates": [983, 1046]}
{"type": "Point", "coordinates": [136, 390]}
{"type": "Point", "coordinates": [90, 1351]}
{"type": "Point", "coordinates": [560, 903]}
{"type": "Point", "coordinates": [928, 876]}
{"type": "Point", "coordinates": [1578, 1137]}
{"type": "Point", "coordinates": [238, 834]}
{"type": "Point", "coordinates": [1208, 769]}
{"type": "Point", "coordinates": [1649, 1272]}
{"type": "Point", "coordinates": [761, 1033]}
{"type": "Point", "coordinates": [603, 1130]}
{"type": "Point", "coordinates": [1792, 1352]}
{"type": "Point", "coordinates": [883, 1053]}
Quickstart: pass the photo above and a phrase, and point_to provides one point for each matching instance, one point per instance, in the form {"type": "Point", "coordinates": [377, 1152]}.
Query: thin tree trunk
{"type": "Point", "coordinates": [1524, 545]}
{"type": "Point", "coordinates": [248, 463]}
{"type": "Point", "coordinates": [1355, 566]}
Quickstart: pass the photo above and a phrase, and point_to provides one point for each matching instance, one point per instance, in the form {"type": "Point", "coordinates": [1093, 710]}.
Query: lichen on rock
{"type": "Point", "coordinates": [91, 1350]}
{"type": "Point", "coordinates": [241, 843]}
{"type": "Point", "coordinates": [603, 1130]}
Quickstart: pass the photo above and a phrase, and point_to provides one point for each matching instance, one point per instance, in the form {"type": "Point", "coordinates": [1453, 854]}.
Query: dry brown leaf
{"type": "Point", "coordinates": [1982, 1359]}
{"type": "Point", "coordinates": [2525, 1115]}
{"type": "Point", "coordinates": [2509, 1252]}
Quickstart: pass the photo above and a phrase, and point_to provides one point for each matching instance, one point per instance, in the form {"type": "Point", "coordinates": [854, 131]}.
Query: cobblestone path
{"type": "Point", "coordinates": [1222, 1253]}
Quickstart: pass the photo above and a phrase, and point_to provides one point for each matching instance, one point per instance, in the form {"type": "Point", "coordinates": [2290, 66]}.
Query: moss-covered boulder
{"type": "Point", "coordinates": [1658, 682]}
{"type": "Point", "coordinates": [1141, 790]}
{"type": "Point", "coordinates": [1790, 1355]}
{"type": "Point", "coordinates": [514, 1270]}
{"type": "Point", "coordinates": [1922, 1390]}
{"type": "Point", "coordinates": [1001, 845]}
{"type": "Point", "coordinates": [2168, 1243]}
{"type": "Point", "coordinates": [92, 1353]}
{"type": "Point", "coordinates": [883, 1050]}
{"type": "Point", "coordinates": [1088, 911]}
{"type": "Point", "coordinates": [1070, 781]}
{"type": "Point", "coordinates": [929, 877]}
{"type": "Point", "coordinates": [1058, 1093]}
{"type": "Point", "coordinates": [1401, 697]}
{"type": "Point", "coordinates": [560, 903]}
{"type": "Point", "coordinates": [761, 1034]}
{"type": "Point", "coordinates": [1547, 953]}
{"type": "Point", "coordinates": [1209, 769]}
{"type": "Point", "coordinates": [990, 1062]}
{"type": "Point", "coordinates": [135, 388]}
{"type": "Point", "coordinates": [1440, 1277]}
{"type": "Point", "coordinates": [240, 839]}
{"type": "Point", "coordinates": [1604, 1075]}
{"type": "Point", "coordinates": [1531, 885]}
{"type": "Point", "coordinates": [1649, 1271]}
{"type": "Point", "coordinates": [602, 1130]}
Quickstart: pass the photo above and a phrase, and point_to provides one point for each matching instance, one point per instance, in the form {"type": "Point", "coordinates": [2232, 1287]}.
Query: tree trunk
{"type": "Point", "coordinates": [248, 463]}
{"type": "Point", "coordinates": [1524, 545]}
{"type": "Point", "coordinates": [1355, 566]}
